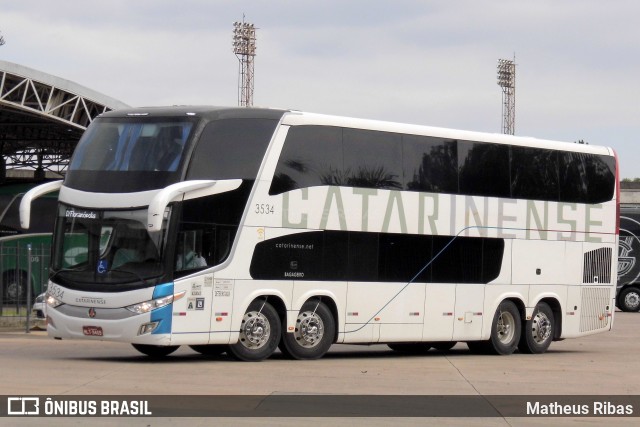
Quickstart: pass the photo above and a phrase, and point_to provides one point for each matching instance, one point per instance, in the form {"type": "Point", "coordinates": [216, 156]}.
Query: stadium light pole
{"type": "Point", "coordinates": [244, 47]}
{"type": "Point", "coordinates": [1, 39]}
{"type": "Point", "coordinates": [507, 81]}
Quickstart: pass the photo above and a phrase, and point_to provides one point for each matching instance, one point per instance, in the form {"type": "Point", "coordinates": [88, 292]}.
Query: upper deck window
{"type": "Point", "coordinates": [130, 154]}
{"type": "Point", "coordinates": [133, 146]}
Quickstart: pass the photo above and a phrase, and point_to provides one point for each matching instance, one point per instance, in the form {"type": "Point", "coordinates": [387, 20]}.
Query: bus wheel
{"type": "Point", "coordinates": [537, 333]}
{"type": "Point", "coordinates": [505, 329]}
{"type": "Point", "coordinates": [259, 333]}
{"type": "Point", "coordinates": [629, 299]}
{"type": "Point", "coordinates": [155, 350]}
{"type": "Point", "coordinates": [15, 290]}
{"type": "Point", "coordinates": [410, 348]}
{"type": "Point", "coordinates": [210, 349]}
{"type": "Point", "coordinates": [313, 335]}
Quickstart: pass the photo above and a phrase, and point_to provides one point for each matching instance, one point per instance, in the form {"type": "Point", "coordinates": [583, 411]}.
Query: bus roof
{"type": "Point", "coordinates": [293, 117]}
{"type": "Point", "coordinates": [211, 113]}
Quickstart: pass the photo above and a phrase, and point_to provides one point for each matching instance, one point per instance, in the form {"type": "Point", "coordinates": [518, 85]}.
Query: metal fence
{"type": "Point", "coordinates": [24, 269]}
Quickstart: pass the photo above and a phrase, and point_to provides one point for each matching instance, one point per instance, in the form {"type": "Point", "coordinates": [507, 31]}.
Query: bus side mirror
{"type": "Point", "coordinates": [29, 196]}
{"type": "Point", "coordinates": [187, 190]}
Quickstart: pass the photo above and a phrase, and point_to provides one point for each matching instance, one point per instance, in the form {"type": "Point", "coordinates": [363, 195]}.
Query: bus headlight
{"type": "Point", "coordinates": [147, 306]}
{"type": "Point", "coordinates": [53, 302]}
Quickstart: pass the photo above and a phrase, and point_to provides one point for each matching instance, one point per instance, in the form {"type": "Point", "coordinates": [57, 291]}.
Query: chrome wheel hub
{"type": "Point", "coordinates": [255, 330]}
{"type": "Point", "coordinates": [541, 328]}
{"type": "Point", "coordinates": [309, 329]}
{"type": "Point", "coordinates": [506, 327]}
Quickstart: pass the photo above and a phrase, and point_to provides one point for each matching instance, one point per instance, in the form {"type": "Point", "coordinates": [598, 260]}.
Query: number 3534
{"type": "Point", "coordinates": [264, 209]}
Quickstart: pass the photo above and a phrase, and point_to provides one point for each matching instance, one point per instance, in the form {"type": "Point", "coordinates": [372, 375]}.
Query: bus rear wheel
{"type": "Point", "coordinates": [259, 333]}
{"type": "Point", "coordinates": [155, 350]}
{"type": "Point", "coordinates": [313, 335]}
{"type": "Point", "coordinates": [505, 329]}
{"type": "Point", "coordinates": [537, 333]}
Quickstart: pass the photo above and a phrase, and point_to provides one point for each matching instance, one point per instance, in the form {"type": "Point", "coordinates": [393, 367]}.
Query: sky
{"type": "Point", "coordinates": [427, 62]}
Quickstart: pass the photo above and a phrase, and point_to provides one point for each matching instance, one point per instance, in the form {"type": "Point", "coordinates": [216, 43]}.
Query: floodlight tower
{"type": "Point", "coordinates": [244, 46]}
{"type": "Point", "coordinates": [1, 39]}
{"type": "Point", "coordinates": [507, 81]}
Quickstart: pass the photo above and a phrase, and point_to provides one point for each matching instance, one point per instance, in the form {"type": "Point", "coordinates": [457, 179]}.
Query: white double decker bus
{"type": "Point", "coordinates": [245, 230]}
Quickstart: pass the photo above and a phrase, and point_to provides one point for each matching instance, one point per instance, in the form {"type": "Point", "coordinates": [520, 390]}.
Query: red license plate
{"type": "Point", "coordinates": [92, 331]}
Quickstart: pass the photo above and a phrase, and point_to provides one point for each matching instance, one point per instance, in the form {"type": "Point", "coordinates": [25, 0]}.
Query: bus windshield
{"type": "Point", "coordinates": [112, 145]}
{"type": "Point", "coordinates": [120, 155]}
{"type": "Point", "coordinates": [106, 248]}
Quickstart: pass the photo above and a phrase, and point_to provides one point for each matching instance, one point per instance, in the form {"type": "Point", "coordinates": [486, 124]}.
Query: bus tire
{"type": "Point", "coordinates": [505, 329]}
{"type": "Point", "coordinates": [629, 299]}
{"type": "Point", "coordinates": [537, 333]}
{"type": "Point", "coordinates": [155, 351]}
{"type": "Point", "coordinates": [15, 287]}
{"type": "Point", "coordinates": [210, 349]}
{"type": "Point", "coordinates": [259, 333]}
{"type": "Point", "coordinates": [313, 335]}
{"type": "Point", "coordinates": [410, 348]}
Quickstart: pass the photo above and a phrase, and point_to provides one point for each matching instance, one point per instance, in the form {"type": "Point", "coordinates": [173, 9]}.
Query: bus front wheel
{"type": "Point", "coordinates": [313, 334]}
{"type": "Point", "coordinates": [259, 333]}
{"type": "Point", "coordinates": [537, 333]}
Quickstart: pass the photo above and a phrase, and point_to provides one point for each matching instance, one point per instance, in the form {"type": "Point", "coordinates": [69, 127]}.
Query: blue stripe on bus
{"type": "Point", "coordinates": [163, 315]}
{"type": "Point", "coordinates": [163, 290]}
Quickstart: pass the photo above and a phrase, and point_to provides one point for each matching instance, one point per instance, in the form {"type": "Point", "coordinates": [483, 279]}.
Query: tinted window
{"type": "Point", "coordinates": [430, 164]}
{"type": "Point", "coordinates": [534, 174]}
{"type": "Point", "coordinates": [373, 257]}
{"type": "Point", "coordinates": [403, 257]}
{"type": "Point", "coordinates": [207, 229]}
{"type": "Point", "coordinates": [601, 178]}
{"type": "Point", "coordinates": [291, 257]}
{"type": "Point", "coordinates": [324, 155]}
{"type": "Point", "coordinates": [232, 148]}
{"type": "Point", "coordinates": [484, 169]}
{"type": "Point", "coordinates": [372, 159]}
{"type": "Point", "coordinates": [573, 177]}
{"type": "Point", "coordinates": [466, 259]}
{"type": "Point", "coordinates": [127, 145]}
{"type": "Point", "coordinates": [311, 156]}
{"type": "Point", "coordinates": [363, 257]}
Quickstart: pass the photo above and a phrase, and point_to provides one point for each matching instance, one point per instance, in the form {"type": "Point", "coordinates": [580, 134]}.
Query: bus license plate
{"type": "Point", "coordinates": [92, 331]}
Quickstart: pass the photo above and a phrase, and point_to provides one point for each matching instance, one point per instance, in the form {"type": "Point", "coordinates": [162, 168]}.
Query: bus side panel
{"type": "Point", "coordinates": [469, 312]}
{"type": "Point", "coordinates": [439, 307]}
{"type": "Point", "coordinates": [538, 262]}
{"type": "Point", "coordinates": [402, 318]}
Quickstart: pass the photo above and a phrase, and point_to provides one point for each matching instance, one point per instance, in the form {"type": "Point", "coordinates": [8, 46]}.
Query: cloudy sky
{"type": "Point", "coordinates": [430, 62]}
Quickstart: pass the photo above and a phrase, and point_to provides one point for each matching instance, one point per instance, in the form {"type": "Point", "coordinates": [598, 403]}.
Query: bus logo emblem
{"type": "Point", "coordinates": [92, 312]}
